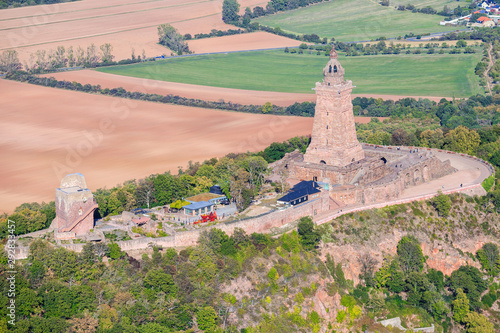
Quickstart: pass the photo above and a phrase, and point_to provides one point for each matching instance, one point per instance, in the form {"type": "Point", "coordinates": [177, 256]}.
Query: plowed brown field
{"type": "Point", "coordinates": [243, 42]}
{"type": "Point", "coordinates": [201, 92]}
{"type": "Point", "coordinates": [46, 133]}
{"type": "Point", "coordinates": [126, 24]}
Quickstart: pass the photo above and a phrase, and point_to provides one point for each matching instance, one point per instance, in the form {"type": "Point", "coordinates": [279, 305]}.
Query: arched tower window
{"type": "Point", "coordinates": [322, 162]}
{"type": "Point", "coordinates": [334, 69]}
{"type": "Point", "coordinates": [330, 69]}
{"type": "Point", "coordinates": [326, 126]}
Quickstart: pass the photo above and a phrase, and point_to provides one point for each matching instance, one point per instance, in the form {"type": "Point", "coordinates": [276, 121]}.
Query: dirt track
{"type": "Point", "coordinates": [46, 133]}
{"type": "Point", "coordinates": [201, 92]}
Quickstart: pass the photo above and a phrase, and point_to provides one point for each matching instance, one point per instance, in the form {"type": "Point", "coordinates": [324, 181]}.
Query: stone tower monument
{"type": "Point", "coordinates": [333, 138]}
{"type": "Point", "coordinates": [75, 207]}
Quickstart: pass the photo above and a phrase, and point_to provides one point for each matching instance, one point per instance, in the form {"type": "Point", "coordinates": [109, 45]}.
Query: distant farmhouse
{"type": "Point", "coordinates": [489, 18]}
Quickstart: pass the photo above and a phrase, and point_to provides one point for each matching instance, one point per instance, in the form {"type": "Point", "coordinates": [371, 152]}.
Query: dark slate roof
{"type": "Point", "coordinates": [216, 189]}
{"type": "Point", "coordinates": [301, 189]}
{"type": "Point", "coordinates": [198, 205]}
{"type": "Point", "coordinates": [305, 183]}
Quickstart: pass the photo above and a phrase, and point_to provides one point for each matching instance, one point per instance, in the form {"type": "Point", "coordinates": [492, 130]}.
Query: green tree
{"type": "Point", "coordinates": [442, 203]}
{"type": "Point", "coordinates": [309, 237]}
{"type": "Point", "coordinates": [268, 107]}
{"type": "Point", "coordinates": [478, 323]}
{"type": "Point", "coordinates": [115, 252]}
{"type": "Point", "coordinates": [153, 328]}
{"type": "Point", "coordinates": [411, 258]}
{"type": "Point", "coordinates": [489, 258]}
{"type": "Point", "coordinates": [462, 140]}
{"type": "Point", "coordinates": [460, 306]}
{"type": "Point", "coordinates": [160, 281]}
{"type": "Point", "coordinates": [28, 220]}
{"type": "Point", "coordinates": [206, 318]}
{"type": "Point", "coordinates": [273, 274]}
{"type": "Point", "coordinates": [256, 167]}
{"type": "Point", "coordinates": [169, 37]}
{"type": "Point", "coordinates": [230, 10]}
{"type": "Point", "coordinates": [379, 138]}
{"type": "Point", "coordinates": [432, 138]}
{"type": "Point", "coordinates": [470, 280]}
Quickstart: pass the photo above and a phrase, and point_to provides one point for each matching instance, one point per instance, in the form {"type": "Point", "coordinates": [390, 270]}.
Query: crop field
{"type": "Point", "coordinates": [47, 133]}
{"type": "Point", "coordinates": [354, 20]}
{"type": "Point", "coordinates": [424, 75]}
{"type": "Point", "coordinates": [436, 4]}
{"type": "Point", "coordinates": [126, 24]}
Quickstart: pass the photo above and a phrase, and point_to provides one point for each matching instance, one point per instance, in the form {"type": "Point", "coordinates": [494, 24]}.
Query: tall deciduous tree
{"type": "Point", "coordinates": [230, 9]}
{"type": "Point", "coordinates": [9, 61]}
{"type": "Point", "coordinates": [478, 323]}
{"type": "Point", "coordinates": [106, 53]}
{"type": "Point", "coordinates": [462, 140]}
{"type": "Point", "coordinates": [411, 258]}
{"type": "Point", "coordinates": [145, 192]}
{"type": "Point", "coordinates": [460, 306]}
{"type": "Point", "coordinates": [169, 37]}
{"type": "Point", "coordinates": [490, 258]}
{"type": "Point", "coordinates": [309, 237]}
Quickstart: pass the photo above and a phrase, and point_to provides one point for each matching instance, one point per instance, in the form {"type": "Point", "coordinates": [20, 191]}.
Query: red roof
{"type": "Point", "coordinates": [141, 220]}
{"type": "Point", "coordinates": [483, 19]}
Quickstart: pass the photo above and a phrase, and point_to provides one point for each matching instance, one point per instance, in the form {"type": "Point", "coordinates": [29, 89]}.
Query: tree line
{"type": "Point", "coordinates": [4, 4]}
{"type": "Point", "coordinates": [300, 109]}
{"type": "Point", "coordinates": [43, 61]}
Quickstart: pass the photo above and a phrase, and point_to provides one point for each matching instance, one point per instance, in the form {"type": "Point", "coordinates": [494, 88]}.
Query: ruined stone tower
{"type": "Point", "coordinates": [333, 138]}
{"type": "Point", "coordinates": [75, 206]}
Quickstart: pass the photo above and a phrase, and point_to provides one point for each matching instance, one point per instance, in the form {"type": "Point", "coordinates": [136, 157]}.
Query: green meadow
{"type": "Point", "coordinates": [427, 75]}
{"type": "Point", "coordinates": [355, 20]}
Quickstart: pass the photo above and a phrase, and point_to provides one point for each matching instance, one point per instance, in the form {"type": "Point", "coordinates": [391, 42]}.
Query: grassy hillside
{"type": "Point", "coordinates": [427, 75]}
{"type": "Point", "coordinates": [354, 20]}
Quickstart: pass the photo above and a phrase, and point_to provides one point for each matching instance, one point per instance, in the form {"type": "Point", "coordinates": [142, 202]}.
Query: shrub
{"type": "Point", "coordinates": [488, 183]}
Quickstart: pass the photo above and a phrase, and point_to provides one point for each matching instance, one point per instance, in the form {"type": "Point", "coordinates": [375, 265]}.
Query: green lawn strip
{"type": "Point", "coordinates": [426, 75]}
{"type": "Point", "coordinates": [354, 20]}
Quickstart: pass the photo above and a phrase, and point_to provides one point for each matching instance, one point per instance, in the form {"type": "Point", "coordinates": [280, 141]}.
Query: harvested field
{"type": "Point", "coordinates": [201, 92]}
{"type": "Point", "coordinates": [126, 24]}
{"type": "Point", "coordinates": [47, 133]}
{"type": "Point", "coordinates": [243, 42]}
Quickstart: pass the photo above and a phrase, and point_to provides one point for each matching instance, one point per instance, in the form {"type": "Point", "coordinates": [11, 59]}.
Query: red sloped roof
{"type": "Point", "coordinates": [483, 19]}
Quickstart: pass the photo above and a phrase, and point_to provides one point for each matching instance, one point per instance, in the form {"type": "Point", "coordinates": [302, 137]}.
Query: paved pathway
{"type": "Point", "coordinates": [470, 174]}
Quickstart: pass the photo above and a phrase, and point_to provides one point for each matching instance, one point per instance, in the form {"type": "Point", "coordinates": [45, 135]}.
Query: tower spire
{"type": "Point", "coordinates": [333, 139]}
{"type": "Point", "coordinates": [333, 53]}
